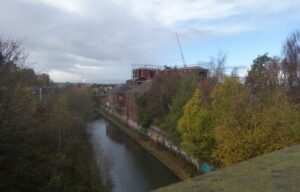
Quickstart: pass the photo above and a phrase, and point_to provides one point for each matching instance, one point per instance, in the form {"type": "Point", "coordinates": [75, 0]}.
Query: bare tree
{"type": "Point", "coordinates": [12, 61]}
{"type": "Point", "coordinates": [219, 64]}
{"type": "Point", "coordinates": [11, 52]}
{"type": "Point", "coordinates": [291, 65]}
{"type": "Point", "coordinates": [273, 73]}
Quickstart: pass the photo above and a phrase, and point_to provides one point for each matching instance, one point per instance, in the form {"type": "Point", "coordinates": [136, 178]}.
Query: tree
{"type": "Point", "coordinates": [291, 65]}
{"type": "Point", "coordinates": [12, 57]}
{"type": "Point", "coordinates": [185, 91]}
{"type": "Point", "coordinates": [256, 78]}
{"type": "Point", "coordinates": [159, 98]}
{"type": "Point", "coordinates": [144, 116]}
{"type": "Point", "coordinates": [218, 66]}
{"type": "Point", "coordinates": [195, 128]}
{"type": "Point", "coordinates": [254, 119]}
{"type": "Point", "coordinates": [222, 97]}
{"type": "Point", "coordinates": [29, 159]}
{"type": "Point", "coordinates": [254, 126]}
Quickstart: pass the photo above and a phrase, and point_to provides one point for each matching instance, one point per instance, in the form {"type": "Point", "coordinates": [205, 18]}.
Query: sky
{"type": "Point", "coordinates": [99, 40]}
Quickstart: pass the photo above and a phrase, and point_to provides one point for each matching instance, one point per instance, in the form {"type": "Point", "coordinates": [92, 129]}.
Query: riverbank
{"type": "Point", "coordinates": [182, 169]}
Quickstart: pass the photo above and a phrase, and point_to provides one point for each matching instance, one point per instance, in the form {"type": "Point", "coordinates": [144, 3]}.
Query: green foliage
{"type": "Point", "coordinates": [159, 98]}
{"type": "Point", "coordinates": [231, 121]}
{"type": "Point", "coordinates": [257, 76]}
{"type": "Point", "coordinates": [237, 123]}
{"type": "Point", "coordinates": [247, 124]}
{"type": "Point", "coordinates": [184, 93]}
{"type": "Point", "coordinates": [31, 158]}
{"type": "Point", "coordinates": [144, 116]}
{"type": "Point", "coordinates": [195, 128]}
{"type": "Point", "coordinates": [258, 65]}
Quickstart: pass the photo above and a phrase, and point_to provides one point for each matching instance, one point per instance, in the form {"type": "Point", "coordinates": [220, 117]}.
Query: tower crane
{"type": "Point", "coordinates": [179, 45]}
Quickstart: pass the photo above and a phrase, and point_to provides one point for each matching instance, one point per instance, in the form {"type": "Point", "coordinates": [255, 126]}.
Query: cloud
{"type": "Point", "coordinates": [63, 76]}
{"type": "Point", "coordinates": [170, 12]}
{"type": "Point", "coordinates": [101, 39]}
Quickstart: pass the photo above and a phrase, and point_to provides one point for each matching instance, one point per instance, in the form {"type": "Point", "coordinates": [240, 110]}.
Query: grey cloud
{"type": "Point", "coordinates": [103, 38]}
{"type": "Point", "coordinates": [58, 40]}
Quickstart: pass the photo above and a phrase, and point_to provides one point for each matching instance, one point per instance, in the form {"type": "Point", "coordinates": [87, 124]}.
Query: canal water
{"type": "Point", "coordinates": [124, 163]}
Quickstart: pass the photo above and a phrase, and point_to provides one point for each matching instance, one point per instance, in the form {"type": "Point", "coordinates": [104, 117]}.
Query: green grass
{"type": "Point", "coordinates": [273, 172]}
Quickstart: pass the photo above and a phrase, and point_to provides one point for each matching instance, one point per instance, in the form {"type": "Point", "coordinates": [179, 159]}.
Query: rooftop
{"type": "Point", "coordinates": [120, 88]}
{"type": "Point", "coordinates": [142, 88]}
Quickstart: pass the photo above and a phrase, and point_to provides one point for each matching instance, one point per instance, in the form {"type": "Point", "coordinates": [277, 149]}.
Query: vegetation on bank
{"type": "Point", "coordinates": [176, 164]}
{"type": "Point", "coordinates": [225, 119]}
{"type": "Point", "coordinates": [44, 144]}
{"type": "Point", "coordinates": [162, 105]}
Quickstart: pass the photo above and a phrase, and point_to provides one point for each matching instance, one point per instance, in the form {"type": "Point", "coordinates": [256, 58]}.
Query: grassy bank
{"type": "Point", "coordinates": [274, 172]}
{"type": "Point", "coordinates": [182, 169]}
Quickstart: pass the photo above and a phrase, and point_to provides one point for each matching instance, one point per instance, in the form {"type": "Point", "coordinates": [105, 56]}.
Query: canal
{"type": "Point", "coordinates": [124, 163]}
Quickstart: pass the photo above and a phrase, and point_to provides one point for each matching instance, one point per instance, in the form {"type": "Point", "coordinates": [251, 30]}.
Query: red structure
{"type": "Point", "coordinates": [141, 74]}
{"type": "Point", "coordinates": [116, 99]}
{"type": "Point", "coordinates": [122, 98]}
{"type": "Point", "coordinates": [144, 73]}
{"type": "Point", "coordinates": [132, 95]}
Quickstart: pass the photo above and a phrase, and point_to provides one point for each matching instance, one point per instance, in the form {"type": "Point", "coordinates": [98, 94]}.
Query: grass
{"type": "Point", "coordinates": [277, 172]}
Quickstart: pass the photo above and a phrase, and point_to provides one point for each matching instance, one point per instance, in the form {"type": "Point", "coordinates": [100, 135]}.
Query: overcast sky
{"type": "Point", "coordinates": [100, 39]}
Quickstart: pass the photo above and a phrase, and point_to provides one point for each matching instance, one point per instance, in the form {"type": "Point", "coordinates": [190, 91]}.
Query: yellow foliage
{"type": "Point", "coordinates": [256, 128]}
{"type": "Point", "coordinates": [224, 96]}
{"type": "Point", "coordinates": [195, 128]}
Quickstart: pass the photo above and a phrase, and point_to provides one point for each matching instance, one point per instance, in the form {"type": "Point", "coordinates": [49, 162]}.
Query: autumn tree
{"type": "Point", "coordinates": [12, 58]}
{"type": "Point", "coordinates": [195, 128]}
{"type": "Point", "coordinates": [206, 86]}
{"type": "Point", "coordinates": [159, 98]}
{"type": "Point", "coordinates": [185, 91]}
{"type": "Point", "coordinates": [256, 78]}
{"type": "Point", "coordinates": [252, 128]}
{"type": "Point", "coordinates": [251, 123]}
{"type": "Point", "coordinates": [29, 137]}
{"type": "Point", "coordinates": [222, 97]}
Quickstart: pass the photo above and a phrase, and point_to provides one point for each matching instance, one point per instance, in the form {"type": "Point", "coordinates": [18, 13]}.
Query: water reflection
{"type": "Point", "coordinates": [128, 165]}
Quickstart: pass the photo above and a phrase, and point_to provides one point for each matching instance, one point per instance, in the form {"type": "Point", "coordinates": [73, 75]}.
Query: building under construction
{"type": "Point", "coordinates": [147, 72]}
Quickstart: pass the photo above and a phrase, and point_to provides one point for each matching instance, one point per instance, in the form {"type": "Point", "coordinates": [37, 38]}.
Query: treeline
{"type": "Point", "coordinates": [162, 105]}
{"type": "Point", "coordinates": [44, 144]}
{"type": "Point", "coordinates": [225, 119]}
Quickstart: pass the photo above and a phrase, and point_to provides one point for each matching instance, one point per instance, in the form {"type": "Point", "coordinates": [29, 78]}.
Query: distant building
{"type": "Point", "coordinates": [142, 74]}
{"type": "Point", "coordinates": [186, 70]}
{"type": "Point", "coordinates": [121, 99]}
{"type": "Point", "coordinates": [116, 99]}
{"type": "Point", "coordinates": [132, 95]}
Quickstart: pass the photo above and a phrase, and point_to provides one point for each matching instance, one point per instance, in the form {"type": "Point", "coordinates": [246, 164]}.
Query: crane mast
{"type": "Point", "coordinates": [179, 45]}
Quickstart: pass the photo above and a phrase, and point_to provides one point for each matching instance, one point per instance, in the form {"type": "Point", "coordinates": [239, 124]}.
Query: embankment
{"type": "Point", "coordinates": [173, 162]}
{"type": "Point", "coordinates": [274, 172]}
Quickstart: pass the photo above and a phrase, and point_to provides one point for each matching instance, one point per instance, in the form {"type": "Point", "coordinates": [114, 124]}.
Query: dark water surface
{"type": "Point", "coordinates": [128, 165]}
